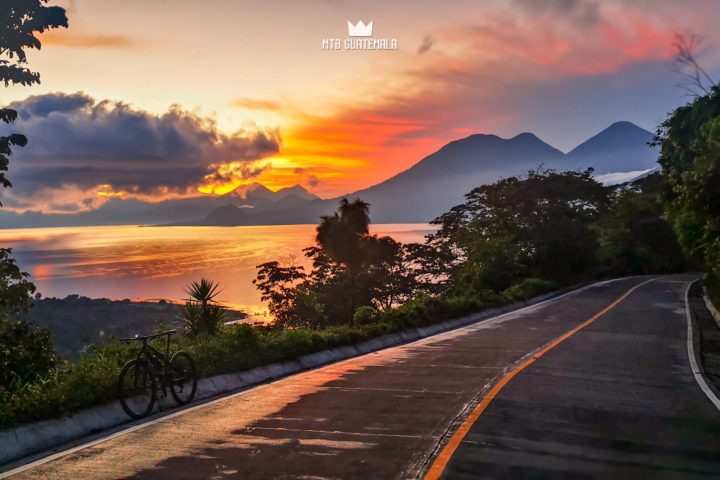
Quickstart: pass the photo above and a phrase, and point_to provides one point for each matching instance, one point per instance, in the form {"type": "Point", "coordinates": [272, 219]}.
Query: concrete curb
{"type": "Point", "coordinates": [713, 311]}
{"type": "Point", "coordinates": [695, 351]}
{"type": "Point", "coordinates": [44, 435]}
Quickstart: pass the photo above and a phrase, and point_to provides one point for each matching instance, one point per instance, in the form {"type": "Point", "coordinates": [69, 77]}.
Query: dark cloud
{"type": "Point", "coordinates": [77, 141]}
{"type": "Point", "coordinates": [426, 44]}
{"type": "Point", "coordinates": [43, 105]}
{"type": "Point", "coordinates": [313, 181]}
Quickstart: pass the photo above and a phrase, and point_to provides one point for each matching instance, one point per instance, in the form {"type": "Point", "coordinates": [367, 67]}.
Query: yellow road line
{"type": "Point", "coordinates": [438, 466]}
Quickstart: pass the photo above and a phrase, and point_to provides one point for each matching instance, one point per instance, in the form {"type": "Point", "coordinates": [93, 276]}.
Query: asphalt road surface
{"type": "Point", "coordinates": [616, 398]}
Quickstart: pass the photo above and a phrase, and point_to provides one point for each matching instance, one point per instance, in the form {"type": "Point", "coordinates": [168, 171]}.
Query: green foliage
{"type": "Point", "coordinates": [532, 226]}
{"type": "Point", "coordinates": [634, 237]}
{"type": "Point", "coordinates": [529, 288]}
{"type": "Point", "coordinates": [344, 238]}
{"type": "Point", "coordinates": [202, 315]}
{"type": "Point", "coordinates": [690, 140]}
{"type": "Point", "coordinates": [350, 269]}
{"type": "Point", "coordinates": [26, 353]}
{"type": "Point", "coordinates": [340, 234]}
{"type": "Point", "coordinates": [364, 316]}
{"type": "Point", "coordinates": [15, 290]}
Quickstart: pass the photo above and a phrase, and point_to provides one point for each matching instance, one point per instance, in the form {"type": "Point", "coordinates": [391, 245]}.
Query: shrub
{"type": "Point", "coordinates": [26, 353]}
{"type": "Point", "coordinates": [364, 315]}
{"type": "Point", "coordinates": [529, 288]}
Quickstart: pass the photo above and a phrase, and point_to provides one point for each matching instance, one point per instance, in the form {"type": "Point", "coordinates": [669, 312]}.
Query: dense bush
{"type": "Point", "coordinates": [26, 353]}
{"type": "Point", "coordinates": [529, 288]}
{"type": "Point", "coordinates": [364, 315]}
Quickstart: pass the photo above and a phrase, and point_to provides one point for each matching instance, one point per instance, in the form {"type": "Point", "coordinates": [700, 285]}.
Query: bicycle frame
{"type": "Point", "coordinates": [157, 361]}
{"type": "Point", "coordinates": [153, 370]}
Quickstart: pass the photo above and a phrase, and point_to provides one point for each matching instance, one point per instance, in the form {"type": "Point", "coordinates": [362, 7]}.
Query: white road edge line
{"type": "Point", "coordinates": [134, 428]}
{"type": "Point", "coordinates": [699, 378]}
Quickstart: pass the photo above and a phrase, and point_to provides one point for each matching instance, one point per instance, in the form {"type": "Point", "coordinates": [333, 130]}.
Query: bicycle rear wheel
{"type": "Point", "coordinates": [137, 389]}
{"type": "Point", "coordinates": [182, 378]}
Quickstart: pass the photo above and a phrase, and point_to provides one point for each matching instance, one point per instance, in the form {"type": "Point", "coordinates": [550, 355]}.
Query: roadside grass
{"type": "Point", "coordinates": [92, 380]}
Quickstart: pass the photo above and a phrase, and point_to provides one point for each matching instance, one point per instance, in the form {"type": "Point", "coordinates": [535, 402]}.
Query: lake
{"type": "Point", "coordinates": [142, 263]}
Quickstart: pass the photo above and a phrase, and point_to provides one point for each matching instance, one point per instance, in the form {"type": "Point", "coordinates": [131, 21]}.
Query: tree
{"type": "Point", "coordinates": [341, 235]}
{"type": "Point", "coordinates": [536, 225]}
{"type": "Point", "coordinates": [696, 81]}
{"type": "Point", "coordinates": [350, 269]}
{"type": "Point", "coordinates": [278, 284]}
{"type": "Point", "coordinates": [634, 237]}
{"type": "Point", "coordinates": [690, 146]}
{"type": "Point", "coordinates": [25, 351]}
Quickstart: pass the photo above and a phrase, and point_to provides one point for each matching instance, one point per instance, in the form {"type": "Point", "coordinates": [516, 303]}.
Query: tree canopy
{"type": "Point", "coordinates": [20, 22]}
{"type": "Point", "coordinates": [690, 159]}
{"type": "Point", "coordinates": [350, 269]}
{"type": "Point", "coordinates": [532, 226]}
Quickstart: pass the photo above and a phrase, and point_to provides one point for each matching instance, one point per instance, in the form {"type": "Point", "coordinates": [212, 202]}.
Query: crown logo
{"type": "Point", "coordinates": [360, 30]}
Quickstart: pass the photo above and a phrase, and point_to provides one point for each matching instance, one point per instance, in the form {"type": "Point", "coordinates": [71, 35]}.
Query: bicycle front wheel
{"type": "Point", "coordinates": [182, 378]}
{"type": "Point", "coordinates": [137, 389]}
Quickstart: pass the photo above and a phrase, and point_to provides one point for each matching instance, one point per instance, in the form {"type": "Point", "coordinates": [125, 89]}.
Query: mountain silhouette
{"type": "Point", "coordinates": [297, 191]}
{"type": "Point", "coordinates": [439, 180]}
{"type": "Point", "coordinates": [416, 195]}
{"type": "Point", "coordinates": [622, 147]}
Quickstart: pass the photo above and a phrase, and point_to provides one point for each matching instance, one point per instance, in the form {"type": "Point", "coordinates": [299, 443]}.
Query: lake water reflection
{"type": "Point", "coordinates": [157, 262]}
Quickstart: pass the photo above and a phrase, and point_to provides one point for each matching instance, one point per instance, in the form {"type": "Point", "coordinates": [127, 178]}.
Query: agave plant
{"type": "Point", "coordinates": [203, 291]}
{"type": "Point", "coordinates": [202, 314]}
{"type": "Point", "coordinates": [190, 312]}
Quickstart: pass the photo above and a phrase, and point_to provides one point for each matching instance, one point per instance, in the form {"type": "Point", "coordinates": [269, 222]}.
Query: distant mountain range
{"type": "Point", "coordinates": [416, 195]}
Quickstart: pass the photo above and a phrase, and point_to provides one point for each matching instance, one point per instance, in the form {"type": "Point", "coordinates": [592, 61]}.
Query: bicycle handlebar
{"type": "Point", "coordinates": [148, 337]}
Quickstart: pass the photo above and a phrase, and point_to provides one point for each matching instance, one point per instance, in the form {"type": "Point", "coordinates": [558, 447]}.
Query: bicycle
{"type": "Point", "coordinates": [139, 377]}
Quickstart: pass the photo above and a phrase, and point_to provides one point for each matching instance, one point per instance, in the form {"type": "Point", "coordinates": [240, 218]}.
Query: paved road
{"type": "Point", "coordinates": [618, 395]}
{"type": "Point", "coordinates": [618, 399]}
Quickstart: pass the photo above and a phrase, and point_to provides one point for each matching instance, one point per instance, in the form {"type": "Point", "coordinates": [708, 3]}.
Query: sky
{"type": "Point", "coordinates": [165, 99]}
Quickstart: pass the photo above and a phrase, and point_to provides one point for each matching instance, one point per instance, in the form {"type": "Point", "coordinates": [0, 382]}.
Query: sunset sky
{"type": "Point", "coordinates": [159, 99]}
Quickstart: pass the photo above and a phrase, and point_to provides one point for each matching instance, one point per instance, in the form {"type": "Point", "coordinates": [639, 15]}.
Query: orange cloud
{"type": "Point", "coordinates": [255, 104]}
{"type": "Point", "coordinates": [80, 40]}
{"type": "Point", "coordinates": [362, 146]}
